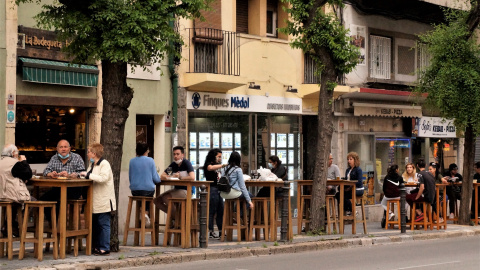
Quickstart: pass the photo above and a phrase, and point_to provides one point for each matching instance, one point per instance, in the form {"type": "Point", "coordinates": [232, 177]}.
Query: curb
{"type": "Point", "coordinates": [205, 254]}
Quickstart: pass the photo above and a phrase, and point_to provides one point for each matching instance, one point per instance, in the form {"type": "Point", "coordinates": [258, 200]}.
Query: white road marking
{"type": "Point", "coordinates": [425, 265]}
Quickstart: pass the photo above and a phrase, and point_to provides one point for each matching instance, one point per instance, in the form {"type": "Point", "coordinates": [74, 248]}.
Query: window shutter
{"type": "Point", "coordinates": [380, 57]}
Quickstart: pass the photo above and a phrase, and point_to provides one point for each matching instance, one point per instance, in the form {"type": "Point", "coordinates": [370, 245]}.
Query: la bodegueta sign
{"type": "Point", "coordinates": [43, 42]}
{"type": "Point", "coordinates": [41, 39]}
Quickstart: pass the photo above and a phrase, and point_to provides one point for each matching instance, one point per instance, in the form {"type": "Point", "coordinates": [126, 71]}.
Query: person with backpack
{"type": "Point", "coordinates": [234, 175]}
{"type": "Point", "coordinates": [425, 192]}
{"type": "Point", "coordinates": [391, 190]}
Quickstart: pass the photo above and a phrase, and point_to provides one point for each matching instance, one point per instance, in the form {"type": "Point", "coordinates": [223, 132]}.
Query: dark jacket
{"type": "Point", "coordinates": [280, 171]}
{"type": "Point", "coordinates": [391, 184]}
{"type": "Point", "coordinates": [356, 174]}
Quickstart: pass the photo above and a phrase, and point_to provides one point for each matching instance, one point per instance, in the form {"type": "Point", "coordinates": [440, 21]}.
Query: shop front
{"type": "Point", "coordinates": [54, 99]}
{"type": "Point", "coordinates": [255, 126]}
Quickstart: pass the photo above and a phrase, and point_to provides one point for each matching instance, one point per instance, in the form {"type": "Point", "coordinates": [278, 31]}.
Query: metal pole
{"type": "Point", "coordinates": [403, 211]}
{"type": "Point", "coordinates": [203, 217]}
{"type": "Point", "coordinates": [286, 197]}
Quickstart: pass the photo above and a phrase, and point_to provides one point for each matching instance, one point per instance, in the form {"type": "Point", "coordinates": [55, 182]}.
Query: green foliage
{"type": "Point", "coordinates": [314, 30]}
{"type": "Point", "coordinates": [452, 80]}
{"type": "Point", "coordinates": [275, 244]}
{"type": "Point", "coordinates": [128, 31]}
{"type": "Point", "coordinates": [121, 257]}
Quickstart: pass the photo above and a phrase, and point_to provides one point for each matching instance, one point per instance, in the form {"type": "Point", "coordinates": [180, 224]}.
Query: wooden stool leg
{"type": "Point", "coordinates": [23, 234]}
{"type": "Point", "coordinates": [54, 232]}
{"type": "Point", "coordinates": [136, 237]}
{"type": "Point", "coordinates": [225, 215]}
{"type": "Point", "coordinates": [9, 232]}
{"type": "Point", "coordinates": [76, 213]}
{"type": "Point", "coordinates": [266, 235]}
{"type": "Point", "coordinates": [328, 216]}
{"type": "Point", "coordinates": [127, 222]}
{"type": "Point", "coordinates": [41, 214]}
{"type": "Point", "coordinates": [167, 225]}
{"type": "Point", "coordinates": [142, 223]}
{"type": "Point", "coordinates": [152, 219]}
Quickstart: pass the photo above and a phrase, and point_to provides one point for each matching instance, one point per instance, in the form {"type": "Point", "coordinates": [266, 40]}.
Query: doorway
{"type": "Point", "coordinates": [145, 131]}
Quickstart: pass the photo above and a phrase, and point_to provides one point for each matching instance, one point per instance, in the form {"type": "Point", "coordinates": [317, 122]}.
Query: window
{"type": "Point", "coordinates": [310, 70]}
{"type": "Point", "coordinates": [424, 58]}
{"type": "Point", "coordinates": [206, 58]}
{"type": "Point", "coordinates": [380, 57]}
{"type": "Point", "coordinates": [271, 23]}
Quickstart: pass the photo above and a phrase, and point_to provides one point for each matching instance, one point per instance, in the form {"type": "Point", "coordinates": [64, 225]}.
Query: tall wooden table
{"type": "Point", "coordinates": [272, 222]}
{"type": "Point", "coordinates": [188, 211]}
{"type": "Point", "coordinates": [342, 184]}
{"type": "Point", "coordinates": [63, 184]}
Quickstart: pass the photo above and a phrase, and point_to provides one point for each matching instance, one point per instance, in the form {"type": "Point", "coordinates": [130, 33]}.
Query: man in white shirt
{"type": "Point", "coordinates": [332, 174]}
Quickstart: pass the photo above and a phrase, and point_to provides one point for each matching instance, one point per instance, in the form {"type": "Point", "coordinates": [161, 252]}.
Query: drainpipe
{"type": "Point", "coordinates": [174, 80]}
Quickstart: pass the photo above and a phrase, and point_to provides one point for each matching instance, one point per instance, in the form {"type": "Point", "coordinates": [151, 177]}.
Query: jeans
{"type": "Point", "coordinates": [216, 207]}
{"type": "Point", "coordinates": [101, 231]}
{"type": "Point", "coordinates": [144, 193]}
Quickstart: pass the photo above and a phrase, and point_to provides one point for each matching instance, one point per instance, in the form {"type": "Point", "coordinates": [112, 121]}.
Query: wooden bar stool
{"type": "Point", "coordinates": [363, 220]}
{"type": "Point", "coordinates": [259, 219]}
{"type": "Point", "coordinates": [139, 228]}
{"type": "Point", "coordinates": [305, 202]}
{"type": "Point", "coordinates": [175, 223]}
{"type": "Point", "coordinates": [74, 223]}
{"type": "Point", "coordinates": [331, 213]}
{"type": "Point", "coordinates": [6, 221]}
{"type": "Point", "coordinates": [38, 239]}
{"type": "Point", "coordinates": [427, 216]}
{"type": "Point", "coordinates": [228, 223]}
{"type": "Point", "coordinates": [391, 207]}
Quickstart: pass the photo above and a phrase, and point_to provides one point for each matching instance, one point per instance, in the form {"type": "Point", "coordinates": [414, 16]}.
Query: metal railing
{"type": "Point", "coordinates": [310, 70]}
{"type": "Point", "coordinates": [214, 51]}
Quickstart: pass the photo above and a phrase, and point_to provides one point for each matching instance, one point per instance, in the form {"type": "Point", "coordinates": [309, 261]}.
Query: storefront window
{"type": "Point", "coordinates": [391, 151]}
{"type": "Point", "coordinates": [39, 128]}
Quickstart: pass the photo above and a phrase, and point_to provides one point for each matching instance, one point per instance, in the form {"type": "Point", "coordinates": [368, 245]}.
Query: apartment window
{"type": "Point", "coordinates": [380, 57]}
{"type": "Point", "coordinates": [271, 23]}
{"type": "Point", "coordinates": [206, 58]}
{"type": "Point", "coordinates": [423, 58]}
{"type": "Point", "coordinates": [310, 70]}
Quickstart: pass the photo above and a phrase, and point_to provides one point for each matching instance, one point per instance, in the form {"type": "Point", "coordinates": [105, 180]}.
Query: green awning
{"type": "Point", "coordinates": [54, 72]}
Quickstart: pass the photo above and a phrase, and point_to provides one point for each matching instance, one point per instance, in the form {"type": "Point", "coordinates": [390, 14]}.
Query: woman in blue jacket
{"type": "Point", "coordinates": [235, 175]}
{"type": "Point", "coordinates": [353, 173]}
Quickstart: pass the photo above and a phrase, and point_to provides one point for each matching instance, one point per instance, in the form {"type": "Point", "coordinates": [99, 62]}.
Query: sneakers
{"type": "Point", "coordinates": [147, 221]}
{"type": "Point", "coordinates": [391, 216]}
{"type": "Point", "coordinates": [452, 216]}
{"type": "Point", "coordinates": [419, 218]}
{"type": "Point", "coordinates": [212, 235]}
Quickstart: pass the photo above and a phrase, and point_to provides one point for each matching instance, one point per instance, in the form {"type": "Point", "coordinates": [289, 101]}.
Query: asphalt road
{"type": "Point", "coordinates": [456, 253]}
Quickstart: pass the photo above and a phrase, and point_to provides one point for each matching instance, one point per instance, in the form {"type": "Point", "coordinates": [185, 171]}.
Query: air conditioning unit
{"type": "Point", "coordinates": [21, 41]}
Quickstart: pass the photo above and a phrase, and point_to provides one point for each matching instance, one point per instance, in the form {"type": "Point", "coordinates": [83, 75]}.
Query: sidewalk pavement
{"type": "Point", "coordinates": [130, 256]}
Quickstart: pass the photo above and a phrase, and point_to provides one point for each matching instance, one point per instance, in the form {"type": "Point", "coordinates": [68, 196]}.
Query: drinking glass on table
{"type": "Point", "coordinates": [169, 171]}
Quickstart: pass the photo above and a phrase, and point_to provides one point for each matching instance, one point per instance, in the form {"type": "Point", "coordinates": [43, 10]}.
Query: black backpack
{"type": "Point", "coordinates": [224, 182]}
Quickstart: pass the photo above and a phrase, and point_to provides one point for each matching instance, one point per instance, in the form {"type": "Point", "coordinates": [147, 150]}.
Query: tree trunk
{"type": "Point", "coordinates": [467, 185]}
{"type": "Point", "coordinates": [117, 97]}
{"type": "Point", "coordinates": [324, 142]}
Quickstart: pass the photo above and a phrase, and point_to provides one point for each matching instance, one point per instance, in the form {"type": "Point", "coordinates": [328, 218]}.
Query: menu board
{"type": "Point", "coordinates": [291, 141]}
{"type": "Point", "coordinates": [272, 140]}
{"type": "Point", "coordinates": [281, 140]}
{"type": "Point", "coordinates": [227, 139]}
{"type": "Point", "coordinates": [238, 140]}
{"type": "Point", "coordinates": [193, 140]}
{"type": "Point", "coordinates": [193, 157]}
{"type": "Point", "coordinates": [201, 157]}
{"type": "Point", "coordinates": [282, 155]}
{"type": "Point", "coordinates": [204, 140]}
{"type": "Point", "coordinates": [216, 140]}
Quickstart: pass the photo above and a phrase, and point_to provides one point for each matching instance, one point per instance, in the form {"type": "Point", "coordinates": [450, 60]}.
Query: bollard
{"type": "Point", "coordinates": [203, 217]}
{"type": "Point", "coordinates": [284, 225]}
{"type": "Point", "coordinates": [403, 211]}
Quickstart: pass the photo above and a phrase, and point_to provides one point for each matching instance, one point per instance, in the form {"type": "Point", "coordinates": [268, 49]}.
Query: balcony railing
{"type": "Point", "coordinates": [214, 51]}
{"type": "Point", "coordinates": [310, 70]}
